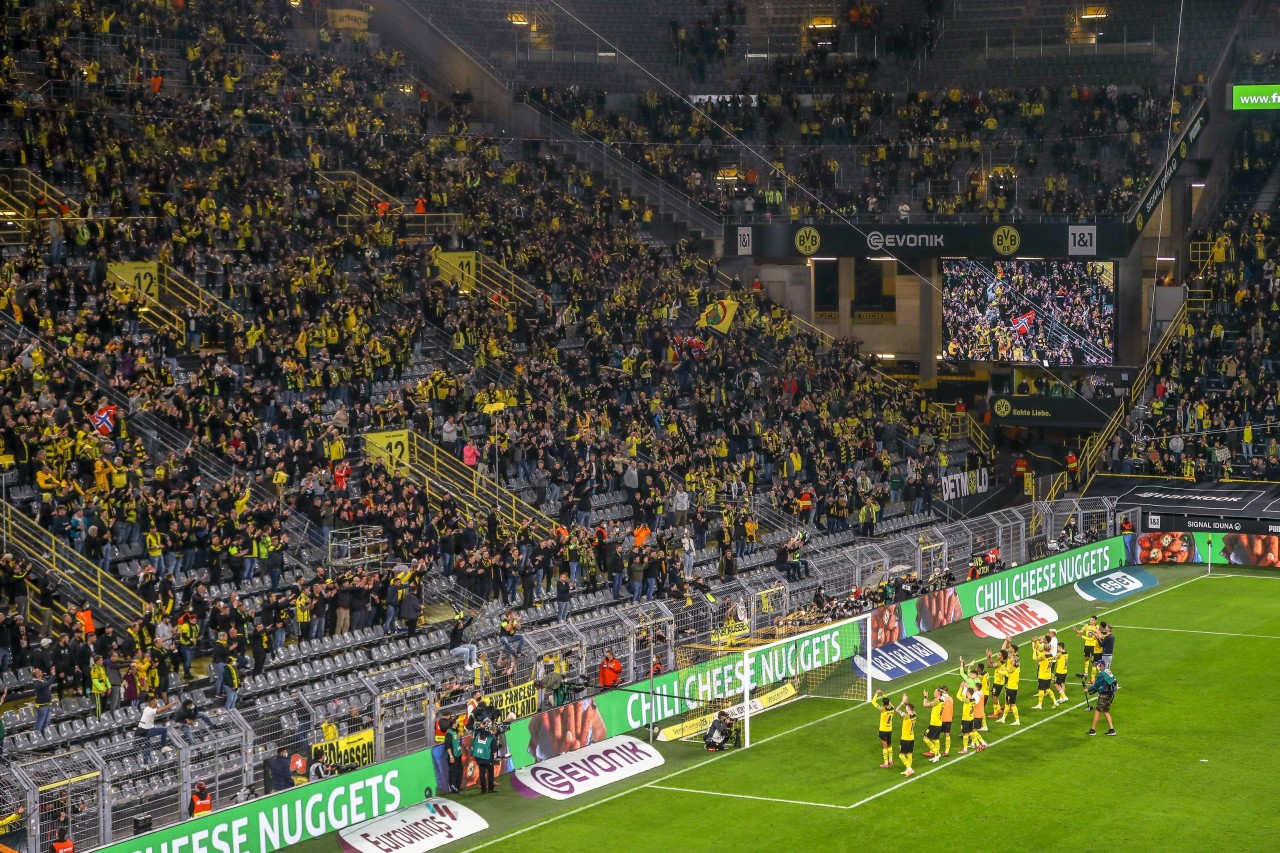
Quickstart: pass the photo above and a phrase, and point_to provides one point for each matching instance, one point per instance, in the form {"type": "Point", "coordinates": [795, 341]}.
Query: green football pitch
{"type": "Point", "coordinates": [1192, 768]}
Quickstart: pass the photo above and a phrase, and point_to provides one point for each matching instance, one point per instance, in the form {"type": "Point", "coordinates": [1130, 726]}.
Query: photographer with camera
{"type": "Point", "coordinates": [720, 733]}
{"type": "Point", "coordinates": [1104, 686]}
{"type": "Point", "coordinates": [484, 749]}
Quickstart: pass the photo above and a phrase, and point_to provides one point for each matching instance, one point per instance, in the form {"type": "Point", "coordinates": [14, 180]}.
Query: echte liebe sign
{"type": "Point", "coordinates": [586, 769]}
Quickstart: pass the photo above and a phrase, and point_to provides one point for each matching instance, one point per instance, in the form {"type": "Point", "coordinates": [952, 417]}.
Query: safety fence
{"type": "Point", "coordinates": [111, 789]}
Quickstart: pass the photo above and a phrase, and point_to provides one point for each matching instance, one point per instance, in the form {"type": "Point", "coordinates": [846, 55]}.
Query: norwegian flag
{"type": "Point", "coordinates": [1022, 325]}
{"type": "Point", "coordinates": [104, 420]}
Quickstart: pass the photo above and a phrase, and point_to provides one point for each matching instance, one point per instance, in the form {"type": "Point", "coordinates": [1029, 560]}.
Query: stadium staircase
{"type": "Point", "coordinates": [79, 579]}
{"type": "Point", "coordinates": [1097, 444]}
{"type": "Point", "coordinates": [168, 293]}
{"type": "Point", "coordinates": [439, 470]}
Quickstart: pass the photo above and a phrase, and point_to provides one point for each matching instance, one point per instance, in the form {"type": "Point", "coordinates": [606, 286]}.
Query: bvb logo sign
{"type": "Point", "coordinates": [1182, 149]}
{"type": "Point", "coordinates": [1003, 408]}
{"type": "Point", "coordinates": [1006, 240]}
{"type": "Point", "coordinates": [1139, 222]}
{"type": "Point", "coordinates": [808, 240]}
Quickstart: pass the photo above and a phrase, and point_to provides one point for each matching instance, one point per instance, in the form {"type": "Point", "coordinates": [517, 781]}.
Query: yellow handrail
{"type": "Point", "coordinates": [416, 224]}
{"type": "Point", "coordinates": [28, 183]}
{"type": "Point", "coordinates": [182, 290]}
{"type": "Point", "coordinates": [107, 593]}
{"type": "Point", "coordinates": [438, 470]}
{"type": "Point", "coordinates": [363, 193]}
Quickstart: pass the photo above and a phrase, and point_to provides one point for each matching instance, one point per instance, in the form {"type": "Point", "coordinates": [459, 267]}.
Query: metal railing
{"type": "Point", "coordinates": [1099, 441]}
{"type": "Point", "coordinates": [416, 225]}
{"type": "Point", "coordinates": [393, 692]}
{"type": "Point", "coordinates": [25, 186]}
{"type": "Point", "coordinates": [440, 470]}
{"type": "Point", "coordinates": [76, 574]}
{"type": "Point", "coordinates": [363, 194]}
{"type": "Point", "coordinates": [599, 156]}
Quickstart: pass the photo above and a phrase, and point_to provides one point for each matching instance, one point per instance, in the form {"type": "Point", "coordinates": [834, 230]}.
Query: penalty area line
{"type": "Point", "coordinates": [743, 796]}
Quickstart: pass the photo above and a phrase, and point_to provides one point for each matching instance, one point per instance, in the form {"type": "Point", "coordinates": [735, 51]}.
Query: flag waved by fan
{"type": "Point", "coordinates": [719, 315]}
{"type": "Point", "coordinates": [1022, 323]}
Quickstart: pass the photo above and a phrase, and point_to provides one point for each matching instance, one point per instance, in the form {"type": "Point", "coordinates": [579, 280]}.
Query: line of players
{"type": "Point", "coordinates": [1003, 672]}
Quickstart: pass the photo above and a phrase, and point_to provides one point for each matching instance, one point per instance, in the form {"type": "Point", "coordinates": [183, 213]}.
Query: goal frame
{"type": "Point", "coordinates": [805, 644]}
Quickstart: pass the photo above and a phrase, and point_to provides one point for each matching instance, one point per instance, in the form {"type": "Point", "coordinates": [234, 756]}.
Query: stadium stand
{"type": "Point", "coordinates": [310, 377]}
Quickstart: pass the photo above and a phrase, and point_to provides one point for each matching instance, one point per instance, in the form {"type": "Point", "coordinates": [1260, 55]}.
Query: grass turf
{"type": "Point", "coordinates": [1189, 770]}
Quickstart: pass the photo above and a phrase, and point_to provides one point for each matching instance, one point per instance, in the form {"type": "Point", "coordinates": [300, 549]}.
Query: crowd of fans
{"type": "Point", "coordinates": [1076, 151]}
{"type": "Point", "coordinates": [1212, 413]}
{"type": "Point", "coordinates": [211, 160]}
{"type": "Point", "coordinates": [1060, 312]}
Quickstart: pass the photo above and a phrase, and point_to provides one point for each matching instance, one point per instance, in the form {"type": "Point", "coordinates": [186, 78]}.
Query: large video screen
{"type": "Point", "coordinates": [1055, 311]}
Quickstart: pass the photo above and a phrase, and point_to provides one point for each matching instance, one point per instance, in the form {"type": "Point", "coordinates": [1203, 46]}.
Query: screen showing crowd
{"type": "Point", "coordinates": [1054, 311]}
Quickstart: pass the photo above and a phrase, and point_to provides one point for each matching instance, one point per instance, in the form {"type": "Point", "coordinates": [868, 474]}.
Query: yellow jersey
{"type": "Point", "coordinates": [935, 714]}
{"type": "Point", "coordinates": [1090, 636]}
{"type": "Point", "coordinates": [1061, 668]}
{"type": "Point", "coordinates": [1014, 676]}
{"type": "Point", "coordinates": [886, 720]}
{"type": "Point", "coordinates": [1045, 667]}
{"type": "Point", "coordinates": [1002, 671]}
{"type": "Point", "coordinates": [986, 684]}
{"type": "Point", "coordinates": [966, 711]}
{"type": "Point", "coordinates": [909, 727]}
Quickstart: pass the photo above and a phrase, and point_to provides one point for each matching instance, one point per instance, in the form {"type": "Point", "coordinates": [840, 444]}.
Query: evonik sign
{"type": "Point", "coordinates": [877, 240]}
{"type": "Point", "coordinates": [587, 769]}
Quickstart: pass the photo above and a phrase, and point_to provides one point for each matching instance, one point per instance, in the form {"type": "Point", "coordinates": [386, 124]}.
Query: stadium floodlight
{"type": "Point", "coordinates": [832, 661]}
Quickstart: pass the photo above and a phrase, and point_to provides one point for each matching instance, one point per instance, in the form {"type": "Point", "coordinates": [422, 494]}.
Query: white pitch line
{"type": "Point", "coordinates": [679, 772]}
{"type": "Point", "coordinates": [852, 707]}
{"type": "Point", "coordinates": [1190, 631]}
{"type": "Point", "coordinates": [1154, 594]}
{"type": "Point", "coordinates": [743, 796]}
{"type": "Point", "coordinates": [958, 759]}
{"type": "Point", "coordinates": [1255, 577]}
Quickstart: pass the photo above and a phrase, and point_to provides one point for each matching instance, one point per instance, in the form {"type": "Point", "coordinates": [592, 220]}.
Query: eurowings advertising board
{"type": "Point", "coordinates": [281, 820]}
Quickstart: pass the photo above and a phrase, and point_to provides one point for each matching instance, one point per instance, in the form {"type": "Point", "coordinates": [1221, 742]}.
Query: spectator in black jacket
{"type": "Point", "coordinates": [410, 610]}
{"type": "Point", "coordinates": [458, 645]}
{"type": "Point", "coordinates": [280, 775]}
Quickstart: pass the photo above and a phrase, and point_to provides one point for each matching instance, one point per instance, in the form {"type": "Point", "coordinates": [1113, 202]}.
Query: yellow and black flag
{"type": "Point", "coordinates": [719, 315]}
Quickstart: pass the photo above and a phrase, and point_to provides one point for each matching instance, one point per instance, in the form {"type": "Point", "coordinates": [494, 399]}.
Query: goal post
{"type": "Point", "coordinates": [823, 661]}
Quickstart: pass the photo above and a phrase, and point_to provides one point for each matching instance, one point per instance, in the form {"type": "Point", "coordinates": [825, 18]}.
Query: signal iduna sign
{"type": "Point", "coordinates": [416, 829]}
{"type": "Point", "coordinates": [1009, 622]}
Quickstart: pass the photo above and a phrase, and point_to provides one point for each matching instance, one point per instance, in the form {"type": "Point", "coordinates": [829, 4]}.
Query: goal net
{"type": "Point", "coordinates": [815, 662]}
